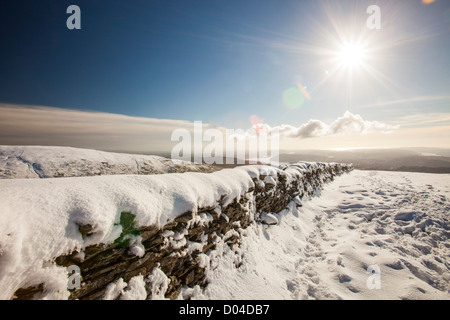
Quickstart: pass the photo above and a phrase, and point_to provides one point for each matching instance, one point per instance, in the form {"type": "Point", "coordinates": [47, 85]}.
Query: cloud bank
{"type": "Point", "coordinates": [348, 124]}
{"type": "Point", "coordinates": [34, 125]}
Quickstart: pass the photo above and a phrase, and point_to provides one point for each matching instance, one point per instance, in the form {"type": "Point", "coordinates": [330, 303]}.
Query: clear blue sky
{"type": "Point", "coordinates": [222, 61]}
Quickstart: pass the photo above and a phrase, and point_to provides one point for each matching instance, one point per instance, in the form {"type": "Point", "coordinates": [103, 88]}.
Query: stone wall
{"type": "Point", "coordinates": [177, 248]}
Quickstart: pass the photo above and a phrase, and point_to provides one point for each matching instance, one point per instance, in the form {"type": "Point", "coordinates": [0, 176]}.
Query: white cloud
{"type": "Point", "coordinates": [348, 124]}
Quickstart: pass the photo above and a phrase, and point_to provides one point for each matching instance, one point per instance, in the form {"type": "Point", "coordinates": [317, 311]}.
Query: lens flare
{"type": "Point", "coordinates": [295, 97]}
{"type": "Point", "coordinates": [257, 123]}
{"type": "Point", "coordinates": [303, 91]}
{"type": "Point", "coordinates": [255, 120]}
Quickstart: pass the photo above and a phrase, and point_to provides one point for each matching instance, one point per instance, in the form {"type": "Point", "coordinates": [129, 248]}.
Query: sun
{"type": "Point", "coordinates": [351, 56]}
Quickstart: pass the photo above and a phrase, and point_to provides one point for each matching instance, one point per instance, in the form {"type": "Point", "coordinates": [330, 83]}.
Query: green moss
{"type": "Point", "coordinates": [129, 230]}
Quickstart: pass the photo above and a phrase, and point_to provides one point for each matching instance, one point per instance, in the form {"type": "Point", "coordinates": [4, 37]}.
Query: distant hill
{"type": "Point", "coordinates": [51, 162]}
{"type": "Point", "coordinates": [428, 160]}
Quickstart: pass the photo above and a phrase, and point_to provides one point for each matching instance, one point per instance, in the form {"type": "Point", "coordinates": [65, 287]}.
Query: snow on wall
{"type": "Point", "coordinates": [129, 233]}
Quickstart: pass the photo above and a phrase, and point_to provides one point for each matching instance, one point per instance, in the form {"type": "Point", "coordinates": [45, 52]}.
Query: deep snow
{"type": "Point", "coordinates": [394, 221]}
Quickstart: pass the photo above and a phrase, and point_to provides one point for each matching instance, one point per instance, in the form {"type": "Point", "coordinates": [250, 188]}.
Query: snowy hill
{"type": "Point", "coordinates": [51, 162]}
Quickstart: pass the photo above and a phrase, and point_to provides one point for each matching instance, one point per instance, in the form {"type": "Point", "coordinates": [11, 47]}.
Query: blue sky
{"type": "Point", "coordinates": [222, 61]}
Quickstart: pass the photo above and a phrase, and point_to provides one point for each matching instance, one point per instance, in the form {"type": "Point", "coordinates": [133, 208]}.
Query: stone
{"type": "Point", "coordinates": [85, 230]}
{"type": "Point", "coordinates": [29, 292]}
{"type": "Point", "coordinates": [185, 217]}
{"type": "Point", "coordinates": [148, 260]}
{"type": "Point", "coordinates": [148, 233]}
{"type": "Point", "coordinates": [189, 279]}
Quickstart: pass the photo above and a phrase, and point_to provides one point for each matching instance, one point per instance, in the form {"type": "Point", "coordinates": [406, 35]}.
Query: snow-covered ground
{"type": "Point", "coordinates": [370, 235]}
{"type": "Point", "coordinates": [367, 228]}
{"type": "Point", "coordinates": [51, 162]}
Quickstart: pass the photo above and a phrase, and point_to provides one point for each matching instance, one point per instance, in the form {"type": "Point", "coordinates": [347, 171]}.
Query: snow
{"type": "Point", "coordinates": [114, 289]}
{"type": "Point", "coordinates": [48, 162]}
{"type": "Point", "coordinates": [370, 235]}
{"type": "Point", "coordinates": [158, 283]}
{"type": "Point", "coordinates": [325, 248]}
{"type": "Point", "coordinates": [133, 290]}
{"type": "Point", "coordinates": [268, 218]}
{"type": "Point", "coordinates": [136, 247]}
{"type": "Point", "coordinates": [269, 180]}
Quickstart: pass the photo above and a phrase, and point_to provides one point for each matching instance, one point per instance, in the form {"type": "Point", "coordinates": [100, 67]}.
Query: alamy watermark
{"type": "Point", "coordinates": [74, 280]}
{"type": "Point", "coordinates": [226, 146]}
{"type": "Point", "coordinates": [74, 20]}
{"type": "Point", "coordinates": [374, 280]}
{"type": "Point", "coordinates": [374, 20]}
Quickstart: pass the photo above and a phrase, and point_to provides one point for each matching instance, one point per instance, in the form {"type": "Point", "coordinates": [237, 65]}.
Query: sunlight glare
{"type": "Point", "coordinates": [351, 56]}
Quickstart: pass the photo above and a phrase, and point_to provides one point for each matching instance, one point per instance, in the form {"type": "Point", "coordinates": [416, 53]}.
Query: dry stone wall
{"type": "Point", "coordinates": [178, 249]}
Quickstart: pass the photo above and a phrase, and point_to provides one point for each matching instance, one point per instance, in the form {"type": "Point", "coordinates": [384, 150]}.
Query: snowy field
{"type": "Point", "coordinates": [17, 162]}
{"type": "Point", "coordinates": [393, 222]}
